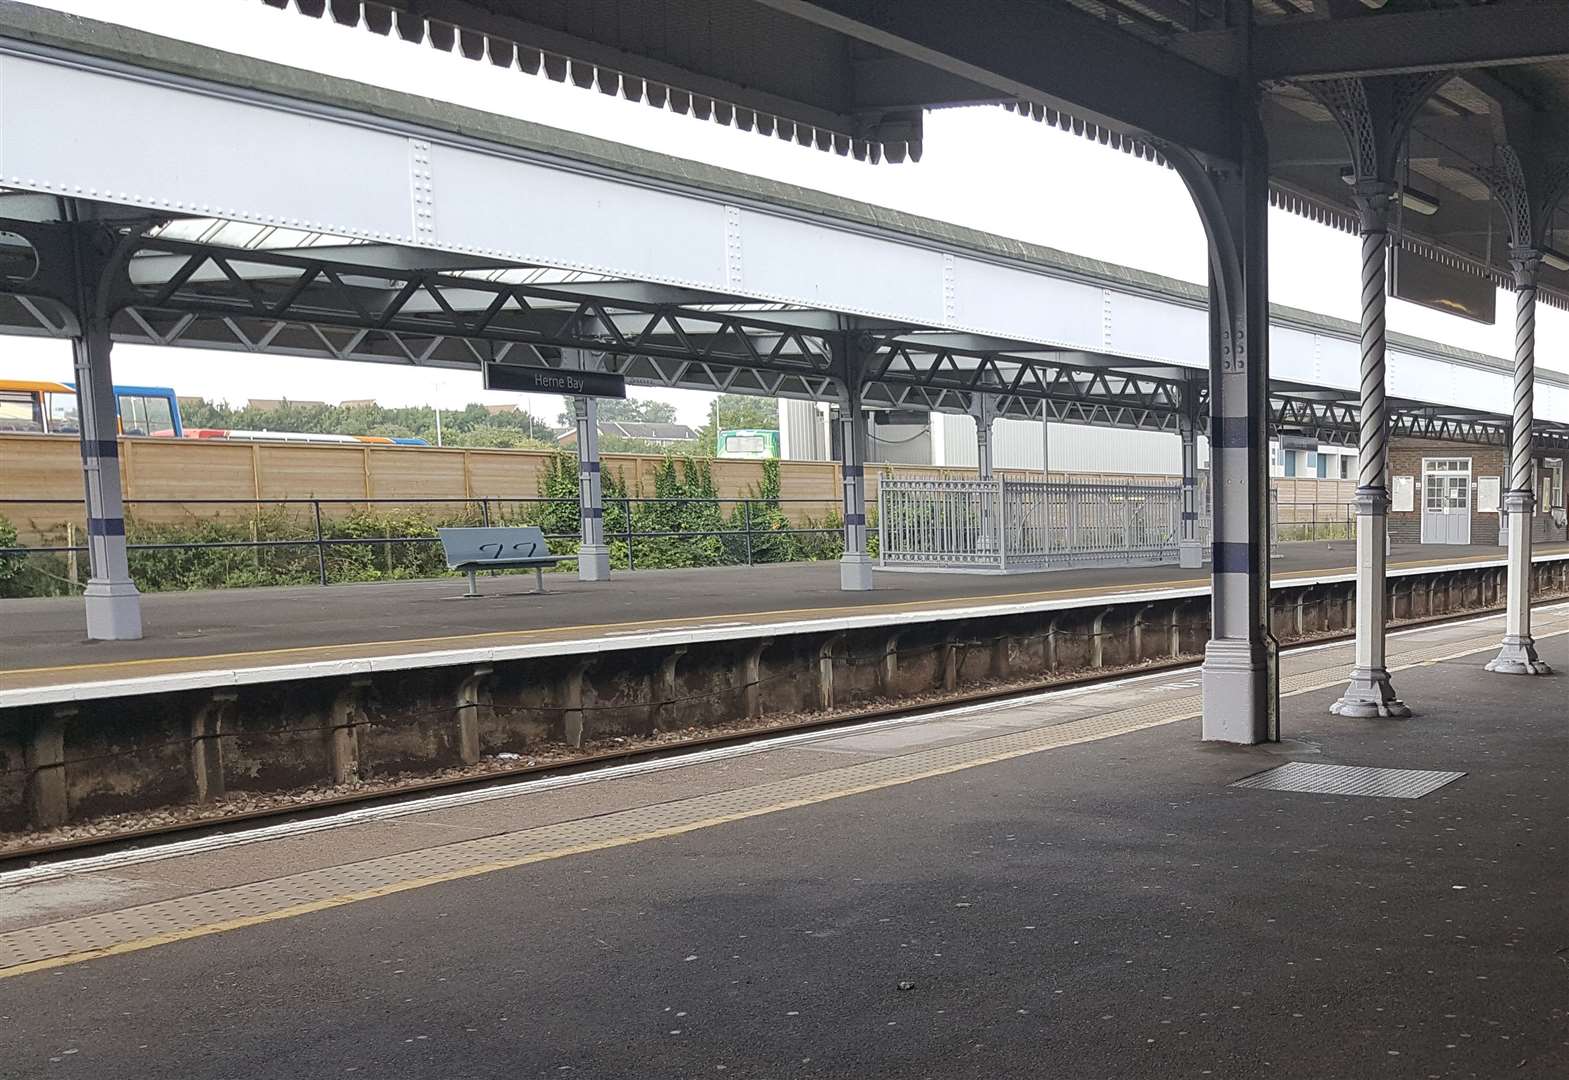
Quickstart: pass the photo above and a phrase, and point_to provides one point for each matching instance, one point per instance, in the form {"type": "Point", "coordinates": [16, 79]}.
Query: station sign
{"type": "Point", "coordinates": [542, 380]}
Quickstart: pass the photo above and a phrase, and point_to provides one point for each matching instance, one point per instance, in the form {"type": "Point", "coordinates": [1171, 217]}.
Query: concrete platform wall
{"type": "Point", "coordinates": [75, 761]}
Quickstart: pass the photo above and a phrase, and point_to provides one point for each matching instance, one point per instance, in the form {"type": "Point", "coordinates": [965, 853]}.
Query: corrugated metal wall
{"type": "Point", "coordinates": [802, 433]}
{"type": "Point", "coordinates": [1074, 447]}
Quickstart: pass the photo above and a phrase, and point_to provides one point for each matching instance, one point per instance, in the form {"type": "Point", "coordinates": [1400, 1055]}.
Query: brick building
{"type": "Point", "coordinates": [1452, 493]}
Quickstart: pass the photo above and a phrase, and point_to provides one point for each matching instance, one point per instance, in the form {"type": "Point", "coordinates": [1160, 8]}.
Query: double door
{"type": "Point", "coordinates": [1446, 500]}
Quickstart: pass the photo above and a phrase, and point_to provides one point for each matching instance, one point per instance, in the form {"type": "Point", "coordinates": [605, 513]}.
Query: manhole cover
{"type": "Point", "coordinates": [1349, 780]}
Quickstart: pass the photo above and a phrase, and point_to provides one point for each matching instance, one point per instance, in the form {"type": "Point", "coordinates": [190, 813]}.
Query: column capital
{"type": "Point", "coordinates": [1373, 199]}
{"type": "Point", "coordinates": [1370, 500]}
{"type": "Point", "coordinates": [1519, 502]}
{"type": "Point", "coordinates": [1525, 262]}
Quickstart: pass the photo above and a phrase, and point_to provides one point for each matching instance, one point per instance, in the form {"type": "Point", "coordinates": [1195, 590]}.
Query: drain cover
{"type": "Point", "coordinates": [1349, 780]}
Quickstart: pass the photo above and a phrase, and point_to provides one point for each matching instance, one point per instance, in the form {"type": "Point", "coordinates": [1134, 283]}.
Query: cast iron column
{"type": "Point", "coordinates": [1369, 692]}
{"type": "Point", "coordinates": [114, 607]}
{"type": "Point", "coordinates": [593, 557]}
{"type": "Point", "coordinates": [984, 413]}
{"type": "Point", "coordinates": [1189, 552]}
{"type": "Point", "coordinates": [855, 565]}
{"type": "Point", "coordinates": [1518, 656]}
{"type": "Point", "coordinates": [1240, 685]}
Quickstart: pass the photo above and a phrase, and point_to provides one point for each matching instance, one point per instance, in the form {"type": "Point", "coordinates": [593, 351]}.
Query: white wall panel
{"type": "Point", "coordinates": [801, 262]}
{"type": "Point", "coordinates": [1144, 326]}
{"type": "Point", "coordinates": [1293, 354]}
{"type": "Point", "coordinates": [518, 210]}
{"type": "Point", "coordinates": [1000, 300]}
{"type": "Point", "coordinates": [76, 132]}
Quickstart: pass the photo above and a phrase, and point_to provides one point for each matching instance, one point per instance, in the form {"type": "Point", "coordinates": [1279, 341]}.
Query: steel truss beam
{"type": "Point", "coordinates": [343, 303]}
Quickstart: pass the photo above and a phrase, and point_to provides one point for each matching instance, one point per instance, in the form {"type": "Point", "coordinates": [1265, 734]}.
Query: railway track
{"type": "Point", "coordinates": [217, 825]}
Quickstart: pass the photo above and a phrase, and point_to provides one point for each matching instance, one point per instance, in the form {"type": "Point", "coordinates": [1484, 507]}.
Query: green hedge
{"type": "Point", "coordinates": [376, 556]}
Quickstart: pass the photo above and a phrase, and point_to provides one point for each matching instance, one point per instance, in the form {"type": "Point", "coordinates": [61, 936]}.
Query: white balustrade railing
{"type": "Point", "coordinates": [1001, 525]}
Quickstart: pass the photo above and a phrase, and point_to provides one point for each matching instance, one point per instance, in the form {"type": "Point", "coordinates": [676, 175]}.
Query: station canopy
{"type": "Point", "coordinates": [855, 76]}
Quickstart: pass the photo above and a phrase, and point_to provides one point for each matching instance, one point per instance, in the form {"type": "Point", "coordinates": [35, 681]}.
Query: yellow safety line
{"type": "Point", "coordinates": [202, 661]}
{"type": "Point", "coordinates": [410, 884]}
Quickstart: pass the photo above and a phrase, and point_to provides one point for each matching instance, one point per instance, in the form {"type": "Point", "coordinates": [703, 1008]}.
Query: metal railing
{"type": "Point", "coordinates": [640, 531]}
{"type": "Point", "coordinates": [1312, 521]}
{"type": "Point", "coordinates": [1018, 525]}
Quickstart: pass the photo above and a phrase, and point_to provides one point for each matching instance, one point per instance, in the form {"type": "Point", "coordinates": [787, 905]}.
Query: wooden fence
{"type": "Point", "coordinates": [49, 467]}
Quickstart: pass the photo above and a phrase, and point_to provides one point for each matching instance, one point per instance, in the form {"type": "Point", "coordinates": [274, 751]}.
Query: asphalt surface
{"type": "Point", "coordinates": [259, 624]}
{"type": "Point", "coordinates": [1111, 909]}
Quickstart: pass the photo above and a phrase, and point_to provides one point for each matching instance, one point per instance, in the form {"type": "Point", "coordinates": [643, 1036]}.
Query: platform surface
{"type": "Point", "coordinates": [41, 640]}
{"type": "Point", "coordinates": [1067, 885]}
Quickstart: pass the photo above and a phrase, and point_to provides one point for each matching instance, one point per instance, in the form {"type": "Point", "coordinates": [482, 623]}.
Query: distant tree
{"type": "Point", "coordinates": [633, 410]}
{"type": "Point", "coordinates": [472, 425]}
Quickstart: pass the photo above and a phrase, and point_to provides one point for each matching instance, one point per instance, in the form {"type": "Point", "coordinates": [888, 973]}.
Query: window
{"type": "Point", "coordinates": [144, 415]}
{"type": "Point", "coordinates": [1290, 458]}
{"type": "Point", "coordinates": [62, 413]}
{"type": "Point", "coordinates": [1345, 466]}
{"type": "Point", "coordinates": [744, 444]}
{"type": "Point", "coordinates": [20, 411]}
{"type": "Point", "coordinates": [1323, 466]}
{"type": "Point", "coordinates": [1550, 484]}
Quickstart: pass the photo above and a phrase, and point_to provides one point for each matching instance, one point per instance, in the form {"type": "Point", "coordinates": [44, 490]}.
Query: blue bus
{"type": "Point", "coordinates": [49, 408]}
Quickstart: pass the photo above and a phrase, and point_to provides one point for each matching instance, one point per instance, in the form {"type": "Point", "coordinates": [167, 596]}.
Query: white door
{"type": "Point", "coordinates": [1446, 500]}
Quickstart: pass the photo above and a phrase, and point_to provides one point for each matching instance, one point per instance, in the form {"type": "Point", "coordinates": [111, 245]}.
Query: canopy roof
{"type": "Point", "coordinates": [855, 75]}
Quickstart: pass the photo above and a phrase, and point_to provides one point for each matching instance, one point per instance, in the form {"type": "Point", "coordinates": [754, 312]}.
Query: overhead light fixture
{"type": "Point", "coordinates": [1418, 202]}
{"type": "Point", "coordinates": [1556, 259]}
{"type": "Point", "coordinates": [1413, 199]}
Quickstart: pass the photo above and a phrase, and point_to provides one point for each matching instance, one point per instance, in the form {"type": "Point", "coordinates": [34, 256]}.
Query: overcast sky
{"type": "Point", "coordinates": [983, 167]}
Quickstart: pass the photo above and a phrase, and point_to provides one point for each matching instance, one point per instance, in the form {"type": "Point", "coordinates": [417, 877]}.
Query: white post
{"type": "Point", "coordinates": [1517, 656]}
{"type": "Point", "coordinates": [855, 565]}
{"type": "Point", "coordinates": [593, 556]}
{"type": "Point", "coordinates": [1369, 692]}
{"type": "Point", "coordinates": [982, 410]}
{"type": "Point", "coordinates": [1190, 553]}
{"type": "Point", "coordinates": [114, 606]}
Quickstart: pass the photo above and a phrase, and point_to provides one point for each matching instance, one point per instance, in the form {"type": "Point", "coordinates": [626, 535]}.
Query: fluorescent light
{"type": "Point", "coordinates": [1413, 199]}
{"type": "Point", "coordinates": [1556, 259]}
{"type": "Point", "coordinates": [1418, 202]}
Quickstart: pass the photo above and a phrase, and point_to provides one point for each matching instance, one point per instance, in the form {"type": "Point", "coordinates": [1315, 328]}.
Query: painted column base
{"type": "Point", "coordinates": [593, 563]}
{"type": "Point", "coordinates": [1370, 695]}
{"type": "Point", "coordinates": [1190, 554]}
{"type": "Point", "coordinates": [855, 573]}
{"type": "Point", "coordinates": [114, 610]}
{"type": "Point", "coordinates": [1235, 680]}
{"type": "Point", "coordinates": [1518, 657]}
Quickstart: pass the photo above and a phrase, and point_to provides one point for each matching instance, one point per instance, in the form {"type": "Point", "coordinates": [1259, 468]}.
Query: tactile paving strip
{"type": "Point", "coordinates": [1317, 778]}
{"type": "Point", "coordinates": [148, 925]}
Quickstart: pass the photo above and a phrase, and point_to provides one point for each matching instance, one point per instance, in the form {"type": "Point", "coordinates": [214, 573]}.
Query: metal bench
{"type": "Point", "coordinates": [497, 548]}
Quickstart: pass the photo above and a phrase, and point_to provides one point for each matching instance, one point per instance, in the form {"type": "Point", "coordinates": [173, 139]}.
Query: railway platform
{"type": "Point", "coordinates": [282, 629]}
{"type": "Point", "coordinates": [1065, 884]}
{"type": "Point", "coordinates": [304, 694]}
